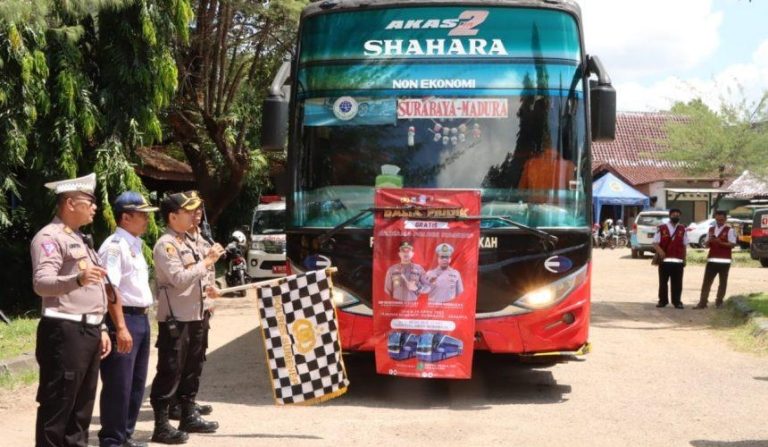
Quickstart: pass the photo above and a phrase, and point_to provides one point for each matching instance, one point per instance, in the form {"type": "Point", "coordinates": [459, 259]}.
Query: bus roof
{"type": "Point", "coordinates": [318, 7]}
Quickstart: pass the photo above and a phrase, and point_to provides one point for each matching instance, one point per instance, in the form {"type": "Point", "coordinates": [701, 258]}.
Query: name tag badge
{"type": "Point", "coordinates": [82, 265]}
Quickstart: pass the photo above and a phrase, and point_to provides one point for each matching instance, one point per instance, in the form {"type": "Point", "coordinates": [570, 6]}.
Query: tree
{"type": "Point", "coordinates": [727, 142]}
{"type": "Point", "coordinates": [235, 47]}
{"type": "Point", "coordinates": [82, 84]}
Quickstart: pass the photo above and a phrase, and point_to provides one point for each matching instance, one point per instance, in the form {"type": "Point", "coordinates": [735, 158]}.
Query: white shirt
{"type": "Point", "coordinates": [121, 253]}
{"type": "Point", "coordinates": [671, 227]}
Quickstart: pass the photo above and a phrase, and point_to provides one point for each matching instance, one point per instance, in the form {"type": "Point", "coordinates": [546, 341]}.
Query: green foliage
{"type": "Point", "coordinates": [83, 83]}
{"type": "Point", "coordinates": [727, 142]}
{"type": "Point", "coordinates": [18, 337]}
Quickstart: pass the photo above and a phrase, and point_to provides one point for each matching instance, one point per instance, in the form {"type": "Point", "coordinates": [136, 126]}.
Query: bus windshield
{"type": "Point", "coordinates": [403, 104]}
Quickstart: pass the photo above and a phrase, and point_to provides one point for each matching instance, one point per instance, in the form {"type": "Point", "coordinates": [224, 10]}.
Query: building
{"type": "Point", "coordinates": [635, 157]}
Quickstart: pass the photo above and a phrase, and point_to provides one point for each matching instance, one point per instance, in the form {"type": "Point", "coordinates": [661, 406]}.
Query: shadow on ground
{"type": "Point", "coordinates": [701, 443]}
{"type": "Point", "coordinates": [236, 373]}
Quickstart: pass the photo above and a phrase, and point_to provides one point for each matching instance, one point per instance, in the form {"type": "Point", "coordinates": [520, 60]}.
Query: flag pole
{"type": "Point", "coordinates": [269, 282]}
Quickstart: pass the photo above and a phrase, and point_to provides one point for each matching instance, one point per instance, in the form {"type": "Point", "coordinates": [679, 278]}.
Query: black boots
{"type": "Point", "coordinates": [191, 422]}
{"type": "Point", "coordinates": [164, 432]}
{"type": "Point", "coordinates": [174, 411]}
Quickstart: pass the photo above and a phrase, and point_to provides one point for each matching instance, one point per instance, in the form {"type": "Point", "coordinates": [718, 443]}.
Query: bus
{"type": "Point", "coordinates": [498, 97]}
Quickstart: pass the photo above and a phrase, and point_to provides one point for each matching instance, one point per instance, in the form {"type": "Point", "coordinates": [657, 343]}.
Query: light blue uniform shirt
{"type": "Point", "coordinates": [121, 254]}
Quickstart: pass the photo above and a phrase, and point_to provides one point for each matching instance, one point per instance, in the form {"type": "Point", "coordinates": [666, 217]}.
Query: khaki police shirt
{"type": "Point", "coordinates": [404, 282]}
{"type": "Point", "coordinates": [445, 284]}
{"type": "Point", "coordinates": [203, 247]}
{"type": "Point", "coordinates": [180, 276]}
{"type": "Point", "coordinates": [59, 254]}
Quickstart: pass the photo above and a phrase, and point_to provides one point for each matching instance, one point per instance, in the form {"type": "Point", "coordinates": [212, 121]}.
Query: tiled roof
{"type": "Point", "coordinates": [748, 186]}
{"type": "Point", "coordinates": [634, 154]}
{"type": "Point", "coordinates": [159, 166]}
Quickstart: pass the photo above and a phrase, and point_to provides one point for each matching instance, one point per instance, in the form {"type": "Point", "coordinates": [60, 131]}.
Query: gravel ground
{"type": "Point", "coordinates": [656, 377]}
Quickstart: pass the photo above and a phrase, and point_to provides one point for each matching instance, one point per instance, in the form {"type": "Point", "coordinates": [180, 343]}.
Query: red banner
{"type": "Point", "coordinates": [425, 282]}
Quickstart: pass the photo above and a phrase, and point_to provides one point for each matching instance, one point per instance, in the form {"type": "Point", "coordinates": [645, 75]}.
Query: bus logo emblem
{"type": "Point", "coordinates": [558, 264]}
{"type": "Point", "coordinates": [345, 108]}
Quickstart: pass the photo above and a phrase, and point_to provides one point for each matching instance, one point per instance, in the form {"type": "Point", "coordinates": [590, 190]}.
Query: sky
{"type": "Point", "coordinates": [662, 51]}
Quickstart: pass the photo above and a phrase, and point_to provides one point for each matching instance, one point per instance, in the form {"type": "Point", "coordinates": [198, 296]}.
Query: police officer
{"type": "Point", "coordinates": [405, 281]}
{"type": "Point", "coordinates": [670, 242]}
{"type": "Point", "coordinates": [124, 373]}
{"type": "Point", "coordinates": [71, 336]}
{"type": "Point", "coordinates": [445, 281]}
{"type": "Point", "coordinates": [720, 239]}
{"type": "Point", "coordinates": [202, 244]}
{"type": "Point", "coordinates": [180, 275]}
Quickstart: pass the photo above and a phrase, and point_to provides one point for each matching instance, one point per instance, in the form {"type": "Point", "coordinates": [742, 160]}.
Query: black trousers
{"type": "Point", "coordinates": [68, 355]}
{"type": "Point", "coordinates": [206, 328]}
{"type": "Point", "coordinates": [672, 273]}
{"type": "Point", "coordinates": [179, 363]}
{"type": "Point", "coordinates": [712, 270]}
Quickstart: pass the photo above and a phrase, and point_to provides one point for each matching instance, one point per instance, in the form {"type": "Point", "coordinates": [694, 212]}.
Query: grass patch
{"type": "Point", "coordinates": [739, 330]}
{"type": "Point", "coordinates": [759, 302]}
{"type": "Point", "coordinates": [741, 258]}
{"type": "Point", "coordinates": [18, 337]}
{"type": "Point", "coordinates": [12, 382]}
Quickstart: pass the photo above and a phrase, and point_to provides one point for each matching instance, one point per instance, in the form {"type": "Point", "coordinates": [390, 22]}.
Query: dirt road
{"type": "Point", "coordinates": [656, 377]}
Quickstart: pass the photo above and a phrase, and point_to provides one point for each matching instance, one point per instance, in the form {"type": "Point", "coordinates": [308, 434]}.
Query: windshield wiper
{"type": "Point", "coordinates": [541, 234]}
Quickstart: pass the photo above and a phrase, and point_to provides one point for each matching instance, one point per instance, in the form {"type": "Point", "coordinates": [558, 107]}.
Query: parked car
{"type": "Point", "coordinates": [644, 229]}
{"type": "Point", "coordinates": [697, 232]}
{"type": "Point", "coordinates": [266, 256]}
{"type": "Point", "coordinates": [758, 248]}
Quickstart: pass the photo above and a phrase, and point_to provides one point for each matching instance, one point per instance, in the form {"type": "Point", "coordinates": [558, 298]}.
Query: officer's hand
{"type": "Point", "coordinates": [124, 341]}
{"type": "Point", "coordinates": [214, 254]}
{"type": "Point", "coordinates": [212, 292]}
{"type": "Point", "coordinates": [662, 253]}
{"type": "Point", "coordinates": [106, 344]}
{"type": "Point", "coordinates": [92, 275]}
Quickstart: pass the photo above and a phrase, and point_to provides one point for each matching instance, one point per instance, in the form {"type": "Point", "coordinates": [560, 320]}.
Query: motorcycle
{"type": "Point", "coordinates": [236, 271]}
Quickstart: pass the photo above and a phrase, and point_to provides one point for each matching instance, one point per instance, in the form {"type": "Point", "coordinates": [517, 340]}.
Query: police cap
{"type": "Point", "coordinates": [444, 249]}
{"type": "Point", "coordinates": [85, 185]}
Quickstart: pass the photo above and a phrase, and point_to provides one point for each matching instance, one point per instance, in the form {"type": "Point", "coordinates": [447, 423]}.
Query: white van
{"type": "Point", "coordinates": [266, 255]}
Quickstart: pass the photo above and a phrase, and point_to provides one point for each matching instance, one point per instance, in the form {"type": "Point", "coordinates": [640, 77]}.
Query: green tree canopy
{"type": "Point", "coordinates": [724, 142]}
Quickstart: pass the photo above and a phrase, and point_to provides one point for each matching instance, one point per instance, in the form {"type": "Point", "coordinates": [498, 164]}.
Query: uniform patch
{"type": "Point", "coordinates": [48, 247]}
{"type": "Point", "coordinates": [170, 249]}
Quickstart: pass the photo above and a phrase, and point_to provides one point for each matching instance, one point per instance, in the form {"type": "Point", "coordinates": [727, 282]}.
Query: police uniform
{"type": "Point", "coordinates": [672, 238]}
{"type": "Point", "coordinates": [718, 263]}
{"type": "Point", "coordinates": [124, 375]}
{"type": "Point", "coordinates": [180, 275]}
{"type": "Point", "coordinates": [445, 283]}
{"type": "Point", "coordinates": [404, 282]}
{"type": "Point", "coordinates": [69, 333]}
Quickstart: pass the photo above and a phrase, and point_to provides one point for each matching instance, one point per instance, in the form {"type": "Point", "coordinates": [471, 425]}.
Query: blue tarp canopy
{"type": "Point", "coordinates": [609, 190]}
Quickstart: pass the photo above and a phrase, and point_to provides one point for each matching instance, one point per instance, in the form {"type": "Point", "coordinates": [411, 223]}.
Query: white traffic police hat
{"type": "Point", "coordinates": [85, 185]}
{"type": "Point", "coordinates": [444, 249]}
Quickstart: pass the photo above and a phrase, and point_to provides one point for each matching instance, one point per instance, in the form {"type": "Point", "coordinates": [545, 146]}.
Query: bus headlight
{"type": "Point", "coordinates": [552, 294]}
{"type": "Point", "coordinates": [342, 298]}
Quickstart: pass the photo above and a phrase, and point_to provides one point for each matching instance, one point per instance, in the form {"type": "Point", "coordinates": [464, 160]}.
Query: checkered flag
{"type": "Point", "coordinates": [301, 339]}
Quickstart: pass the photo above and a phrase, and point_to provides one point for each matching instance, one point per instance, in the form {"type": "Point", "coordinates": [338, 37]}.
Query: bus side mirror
{"type": "Point", "coordinates": [274, 123]}
{"type": "Point", "coordinates": [602, 100]}
{"type": "Point", "coordinates": [274, 118]}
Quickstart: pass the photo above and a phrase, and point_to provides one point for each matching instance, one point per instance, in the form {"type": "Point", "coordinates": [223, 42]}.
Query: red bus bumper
{"type": "Point", "coordinates": [561, 328]}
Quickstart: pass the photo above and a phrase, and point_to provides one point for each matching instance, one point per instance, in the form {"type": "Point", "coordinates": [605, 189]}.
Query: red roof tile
{"type": "Point", "coordinates": [634, 154]}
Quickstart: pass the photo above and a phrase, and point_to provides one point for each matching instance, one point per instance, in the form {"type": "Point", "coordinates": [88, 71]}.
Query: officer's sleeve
{"type": "Point", "coordinates": [168, 261]}
{"type": "Point", "coordinates": [46, 264]}
{"type": "Point", "coordinates": [459, 285]}
{"type": "Point", "coordinates": [112, 259]}
{"type": "Point", "coordinates": [388, 282]}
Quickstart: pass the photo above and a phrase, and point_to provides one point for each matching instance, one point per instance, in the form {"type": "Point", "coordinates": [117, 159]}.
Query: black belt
{"type": "Point", "coordinates": [131, 310]}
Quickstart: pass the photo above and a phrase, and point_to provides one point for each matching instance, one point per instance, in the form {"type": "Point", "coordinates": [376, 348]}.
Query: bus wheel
{"type": "Point", "coordinates": [764, 262]}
